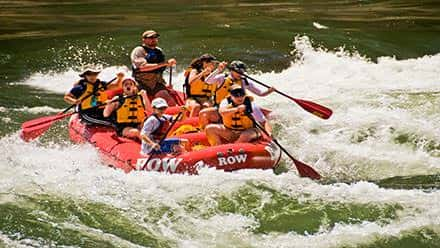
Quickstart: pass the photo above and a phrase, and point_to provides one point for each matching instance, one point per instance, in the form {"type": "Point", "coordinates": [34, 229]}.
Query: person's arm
{"type": "Point", "coordinates": [257, 91]}
{"type": "Point", "coordinates": [110, 107]}
{"type": "Point", "coordinates": [149, 125]}
{"type": "Point", "coordinates": [137, 57]}
{"type": "Point", "coordinates": [146, 101]}
{"type": "Point", "coordinates": [138, 60]}
{"type": "Point", "coordinates": [268, 127]}
{"type": "Point", "coordinates": [224, 109]}
{"type": "Point", "coordinates": [117, 84]}
{"type": "Point", "coordinates": [259, 117]}
{"type": "Point", "coordinates": [153, 66]}
{"type": "Point", "coordinates": [217, 77]}
{"type": "Point", "coordinates": [194, 75]}
{"type": "Point", "coordinates": [149, 142]}
{"type": "Point", "coordinates": [70, 99]}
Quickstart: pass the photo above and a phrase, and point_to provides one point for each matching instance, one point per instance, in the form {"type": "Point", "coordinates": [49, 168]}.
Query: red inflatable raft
{"type": "Point", "coordinates": [124, 153]}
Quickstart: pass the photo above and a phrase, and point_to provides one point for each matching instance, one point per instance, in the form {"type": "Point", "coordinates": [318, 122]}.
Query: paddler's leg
{"type": "Point", "coordinates": [193, 106]}
{"type": "Point", "coordinates": [94, 117]}
{"type": "Point", "coordinates": [131, 133]}
{"type": "Point", "coordinates": [216, 132]}
{"type": "Point", "coordinates": [248, 135]}
{"type": "Point", "coordinates": [207, 116]}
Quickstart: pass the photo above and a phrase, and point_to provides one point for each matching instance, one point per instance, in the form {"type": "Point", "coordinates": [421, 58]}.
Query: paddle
{"type": "Point", "coordinates": [34, 128]}
{"type": "Point", "coordinates": [170, 82]}
{"type": "Point", "coordinates": [33, 132]}
{"type": "Point", "coordinates": [311, 107]}
{"type": "Point", "coordinates": [163, 138]}
{"type": "Point", "coordinates": [59, 116]}
{"type": "Point", "coordinates": [173, 92]}
{"type": "Point", "coordinates": [303, 169]}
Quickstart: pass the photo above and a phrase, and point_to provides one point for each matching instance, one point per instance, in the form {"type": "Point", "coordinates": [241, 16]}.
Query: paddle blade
{"type": "Point", "coordinates": [305, 170]}
{"type": "Point", "coordinates": [314, 108]}
{"type": "Point", "coordinates": [32, 129]}
{"type": "Point", "coordinates": [31, 133]}
{"type": "Point", "coordinates": [44, 119]}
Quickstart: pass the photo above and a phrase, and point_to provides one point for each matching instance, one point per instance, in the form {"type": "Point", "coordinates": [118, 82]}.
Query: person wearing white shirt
{"type": "Point", "coordinates": [223, 82]}
{"type": "Point", "coordinates": [238, 114]}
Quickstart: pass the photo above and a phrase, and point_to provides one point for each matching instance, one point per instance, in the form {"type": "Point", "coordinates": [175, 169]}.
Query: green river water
{"type": "Point", "coordinates": [376, 64]}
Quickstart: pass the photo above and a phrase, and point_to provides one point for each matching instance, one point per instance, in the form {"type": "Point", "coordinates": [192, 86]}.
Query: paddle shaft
{"type": "Point", "coordinates": [170, 81]}
{"type": "Point", "coordinates": [303, 169]}
{"type": "Point", "coordinates": [114, 100]}
{"type": "Point", "coordinates": [164, 137]}
{"type": "Point", "coordinates": [47, 123]}
{"type": "Point", "coordinates": [41, 125]}
{"type": "Point", "coordinates": [311, 107]}
{"type": "Point", "coordinates": [60, 115]}
{"type": "Point", "coordinates": [274, 140]}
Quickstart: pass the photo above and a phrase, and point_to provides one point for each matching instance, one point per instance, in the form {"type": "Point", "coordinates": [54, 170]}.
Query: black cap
{"type": "Point", "coordinates": [238, 65]}
{"type": "Point", "coordinates": [207, 57]}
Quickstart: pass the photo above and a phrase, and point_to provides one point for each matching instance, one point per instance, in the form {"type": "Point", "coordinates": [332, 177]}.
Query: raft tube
{"type": "Point", "coordinates": [125, 154]}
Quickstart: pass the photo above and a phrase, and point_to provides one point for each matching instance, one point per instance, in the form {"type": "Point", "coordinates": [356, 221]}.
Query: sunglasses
{"type": "Point", "coordinates": [91, 73]}
{"type": "Point", "coordinates": [238, 93]}
{"type": "Point", "coordinates": [152, 37]}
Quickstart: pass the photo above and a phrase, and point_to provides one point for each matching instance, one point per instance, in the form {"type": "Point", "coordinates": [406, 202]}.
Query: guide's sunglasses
{"type": "Point", "coordinates": [151, 37]}
{"type": "Point", "coordinates": [237, 93]}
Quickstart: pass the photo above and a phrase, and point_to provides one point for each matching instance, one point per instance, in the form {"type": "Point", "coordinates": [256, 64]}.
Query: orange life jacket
{"type": "Point", "coordinates": [130, 110]}
{"type": "Point", "coordinates": [198, 88]}
{"type": "Point", "coordinates": [239, 121]}
{"type": "Point", "coordinates": [94, 94]}
{"type": "Point", "coordinates": [222, 90]}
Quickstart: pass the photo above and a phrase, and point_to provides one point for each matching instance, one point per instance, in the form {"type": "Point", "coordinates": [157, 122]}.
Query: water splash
{"type": "Point", "coordinates": [382, 127]}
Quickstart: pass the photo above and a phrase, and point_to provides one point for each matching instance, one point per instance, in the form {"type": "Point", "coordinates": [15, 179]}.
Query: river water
{"type": "Point", "coordinates": [376, 64]}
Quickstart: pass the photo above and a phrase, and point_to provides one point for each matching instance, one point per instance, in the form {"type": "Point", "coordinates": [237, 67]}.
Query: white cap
{"type": "Point", "coordinates": [159, 103]}
{"type": "Point", "coordinates": [129, 79]}
{"type": "Point", "coordinates": [90, 69]}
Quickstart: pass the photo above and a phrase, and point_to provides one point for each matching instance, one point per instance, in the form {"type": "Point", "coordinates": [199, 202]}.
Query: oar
{"type": "Point", "coordinates": [34, 128]}
{"type": "Point", "coordinates": [303, 169]}
{"type": "Point", "coordinates": [173, 92]}
{"type": "Point", "coordinates": [311, 107]}
{"type": "Point", "coordinates": [59, 116]}
{"type": "Point", "coordinates": [163, 138]}
{"type": "Point", "coordinates": [171, 77]}
{"type": "Point", "coordinates": [35, 131]}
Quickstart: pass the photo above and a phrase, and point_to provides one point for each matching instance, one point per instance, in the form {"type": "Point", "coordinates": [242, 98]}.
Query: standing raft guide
{"type": "Point", "coordinates": [147, 126]}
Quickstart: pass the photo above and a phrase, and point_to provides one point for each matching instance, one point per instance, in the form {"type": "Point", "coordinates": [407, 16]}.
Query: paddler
{"type": "Point", "coordinates": [198, 91]}
{"type": "Point", "coordinates": [223, 83]}
{"type": "Point", "coordinates": [128, 109]}
{"type": "Point", "coordinates": [148, 64]}
{"type": "Point", "coordinates": [155, 128]}
{"type": "Point", "coordinates": [238, 113]}
{"type": "Point", "coordinates": [90, 92]}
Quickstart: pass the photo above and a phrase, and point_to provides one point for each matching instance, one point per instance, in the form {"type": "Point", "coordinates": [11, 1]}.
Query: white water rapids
{"type": "Point", "coordinates": [386, 123]}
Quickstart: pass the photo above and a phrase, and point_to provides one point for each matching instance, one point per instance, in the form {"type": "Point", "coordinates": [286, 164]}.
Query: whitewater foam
{"type": "Point", "coordinates": [357, 143]}
{"type": "Point", "coordinates": [76, 171]}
